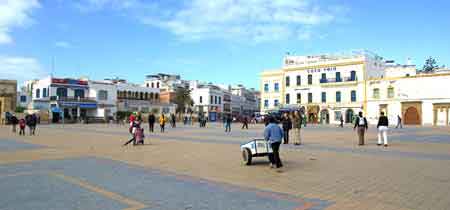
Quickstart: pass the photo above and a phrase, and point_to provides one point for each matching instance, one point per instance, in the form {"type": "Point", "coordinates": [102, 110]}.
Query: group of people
{"type": "Point", "coordinates": [361, 126]}
{"type": "Point", "coordinates": [30, 120]}
{"type": "Point", "coordinates": [292, 121]}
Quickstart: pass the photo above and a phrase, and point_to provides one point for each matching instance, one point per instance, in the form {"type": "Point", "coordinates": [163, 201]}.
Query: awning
{"type": "Point", "coordinates": [55, 109]}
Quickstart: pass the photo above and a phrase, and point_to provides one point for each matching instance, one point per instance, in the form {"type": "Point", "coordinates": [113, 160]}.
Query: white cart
{"type": "Point", "coordinates": [255, 148]}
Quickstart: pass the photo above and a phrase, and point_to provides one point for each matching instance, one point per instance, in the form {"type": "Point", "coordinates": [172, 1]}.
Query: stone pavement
{"type": "Point", "coordinates": [85, 167]}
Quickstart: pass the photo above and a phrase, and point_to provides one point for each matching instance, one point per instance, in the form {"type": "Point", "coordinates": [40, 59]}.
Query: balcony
{"type": "Point", "coordinates": [73, 99]}
{"type": "Point", "coordinates": [338, 81]}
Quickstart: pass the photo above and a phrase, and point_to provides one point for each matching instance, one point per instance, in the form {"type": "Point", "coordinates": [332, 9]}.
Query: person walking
{"type": "Point", "coordinates": [273, 135]}
{"type": "Point", "coordinates": [14, 122]}
{"type": "Point", "coordinates": [245, 122]}
{"type": "Point", "coordinates": [297, 126]}
{"type": "Point", "coordinates": [173, 120]}
{"type": "Point", "coordinates": [228, 124]}
{"type": "Point", "coordinates": [287, 126]}
{"type": "Point", "coordinates": [383, 127]}
{"type": "Point", "coordinates": [133, 128]}
{"type": "Point", "coordinates": [151, 122]}
{"type": "Point", "coordinates": [162, 122]}
{"type": "Point", "coordinates": [399, 122]}
{"type": "Point", "coordinates": [22, 125]}
{"type": "Point", "coordinates": [342, 121]}
{"type": "Point", "coordinates": [361, 124]}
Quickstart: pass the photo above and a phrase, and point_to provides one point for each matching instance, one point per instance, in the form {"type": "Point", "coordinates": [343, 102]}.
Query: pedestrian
{"type": "Point", "coordinates": [185, 121]}
{"type": "Point", "coordinates": [361, 124]}
{"type": "Point", "coordinates": [228, 124]}
{"type": "Point", "coordinates": [134, 126]}
{"type": "Point", "coordinates": [22, 125]}
{"type": "Point", "coordinates": [304, 120]}
{"type": "Point", "coordinates": [287, 126]}
{"type": "Point", "coordinates": [297, 126]}
{"type": "Point", "coordinates": [173, 120]}
{"type": "Point", "coordinates": [139, 135]}
{"type": "Point", "coordinates": [162, 122]}
{"type": "Point", "coordinates": [273, 135]}
{"type": "Point", "coordinates": [14, 121]}
{"type": "Point", "coordinates": [151, 122]}
{"type": "Point", "coordinates": [342, 121]}
{"type": "Point", "coordinates": [399, 122]}
{"type": "Point", "coordinates": [245, 122]}
{"type": "Point", "coordinates": [383, 127]}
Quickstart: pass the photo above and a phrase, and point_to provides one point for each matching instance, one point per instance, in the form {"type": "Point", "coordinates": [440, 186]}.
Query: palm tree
{"type": "Point", "coordinates": [183, 99]}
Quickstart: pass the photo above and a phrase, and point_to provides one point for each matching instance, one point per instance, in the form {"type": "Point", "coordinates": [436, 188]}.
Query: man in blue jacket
{"type": "Point", "coordinates": [273, 134]}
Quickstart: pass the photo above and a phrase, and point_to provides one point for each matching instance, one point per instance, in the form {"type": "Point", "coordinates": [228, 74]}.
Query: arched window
{"type": "Point", "coordinates": [146, 96]}
{"type": "Point", "coordinates": [156, 96]}
{"type": "Point", "coordinates": [129, 95]}
{"type": "Point", "coordinates": [151, 96]}
{"type": "Point", "coordinates": [136, 95]}
{"type": "Point", "coordinates": [141, 95]}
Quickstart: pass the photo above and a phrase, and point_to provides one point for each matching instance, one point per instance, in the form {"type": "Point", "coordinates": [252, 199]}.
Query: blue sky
{"type": "Point", "coordinates": [222, 41]}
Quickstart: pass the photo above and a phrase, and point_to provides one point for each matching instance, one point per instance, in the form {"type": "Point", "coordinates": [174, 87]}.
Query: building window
{"type": "Point", "coordinates": [299, 80]}
{"type": "Point", "coordinates": [211, 99]}
{"type": "Point", "coordinates": [276, 102]}
{"type": "Point", "coordinates": [38, 93]}
{"type": "Point", "coordinates": [266, 87]}
{"type": "Point", "coordinates": [353, 95]}
{"type": "Point", "coordinates": [288, 81]}
{"type": "Point", "coordinates": [266, 103]}
{"type": "Point", "coordinates": [147, 85]}
{"type": "Point", "coordinates": [337, 115]}
{"type": "Point", "coordinates": [310, 79]}
{"type": "Point", "coordinates": [407, 75]}
{"type": "Point", "coordinates": [390, 92]}
{"type": "Point", "coordinates": [201, 99]}
{"type": "Point", "coordinates": [323, 79]}
{"type": "Point", "coordinates": [338, 77]}
{"type": "Point", "coordinates": [338, 96]}
{"type": "Point", "coordinates": [44, 92]}
{"type": "Point", "coordinates": [157, 85]}
{"type": "Point", "coordinates": [288, 98]}
{"type": "Point", "coordinates": [310, 97]}
{"type": "Point", "coordinates": [277, 87]}
{"type": "Point", "coordinates": [353, 76]}
{"type": "Point", "coordinates": [215, 99]}
{"type": "Point", "coordinates": [102, 95]}
{"type": "Point", "coordinates": [23, 99]}
{"type": "Point", "coordinates": [78, 93]}
{"type": "Point", "coordinates": [376, 93]}
{"type": "Point", "coordinates": [153, 85]}
{"type": "Point", "coordinates": [299, 98]}
{"type": "Point", "coordinates": [324, 97]}
{"type": "Point", "coordinates": [220, 100]}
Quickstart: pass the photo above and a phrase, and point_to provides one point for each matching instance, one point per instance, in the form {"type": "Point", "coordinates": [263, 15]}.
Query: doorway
{"type": "Point", "coordinates": [349, 116]}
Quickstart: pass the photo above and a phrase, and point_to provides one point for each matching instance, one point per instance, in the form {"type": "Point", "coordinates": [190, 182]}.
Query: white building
{"type": "Point", "coordinates": [208, 100]}
{"type": "Point", "coordinates": [133, 97]}
{"type": "Point", "coordinates": [165, 82]}
{"type": "Point", "coordinates": [327, 87]}
{"type": "Point", "coordinates": [105, 93]}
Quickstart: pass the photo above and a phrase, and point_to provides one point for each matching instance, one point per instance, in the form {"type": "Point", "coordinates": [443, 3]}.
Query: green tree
{"type": "Point", "coordinates": [430, 65]}
{"type": "Point", "coordinates": [183, 99]}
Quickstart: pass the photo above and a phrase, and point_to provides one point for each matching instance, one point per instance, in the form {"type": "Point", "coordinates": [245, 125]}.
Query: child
{"type": "Point", "coordinates": [133, 128]}
{"type": "Point", "coordinates": [139, 136]}
{"type": "Point", "coordinates": [22, 125]}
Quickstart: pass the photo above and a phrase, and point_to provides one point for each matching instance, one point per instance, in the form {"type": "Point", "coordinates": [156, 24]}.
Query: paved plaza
{"type": "Point", "coordinates": [86, 167]}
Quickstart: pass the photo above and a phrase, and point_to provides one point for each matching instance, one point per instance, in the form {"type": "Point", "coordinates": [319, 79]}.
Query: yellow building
{"type": "Point", "coordinates": [8, 98]}
{"type": "Point", "coordinates": [325, 86]}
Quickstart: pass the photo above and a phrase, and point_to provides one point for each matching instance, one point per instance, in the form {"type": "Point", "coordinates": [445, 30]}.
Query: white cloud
{"type": "Point", "coordinates": [14, 13]}
{"type": "Point", "coordinates": [63, 44]}
{"type": "Point", "coordinates": [251, 20]}
{"type": "Point", "coordinates": [20, 68]}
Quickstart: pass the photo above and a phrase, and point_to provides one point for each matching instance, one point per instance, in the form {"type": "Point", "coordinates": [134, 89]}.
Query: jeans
{"type": "Point", "coordinates": [286, 136]}
{"type": "Point", "coordinates": [275, 156]}
{"type": "Point", "coordinates": [382, 133]}
{"type": "Point", "coordinates": [227, 127]}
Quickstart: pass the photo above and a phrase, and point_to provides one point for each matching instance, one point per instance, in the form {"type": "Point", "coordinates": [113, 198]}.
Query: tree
{"type": "Point", "coordinates": [183, 99]}
{"type": "Point", "coordinates": [430, 65]}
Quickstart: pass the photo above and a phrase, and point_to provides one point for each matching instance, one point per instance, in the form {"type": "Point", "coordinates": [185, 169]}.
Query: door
{"type": "Point", "coordinates": [349, 116]}
{"type": "Point", "coordinates": [412, 116]}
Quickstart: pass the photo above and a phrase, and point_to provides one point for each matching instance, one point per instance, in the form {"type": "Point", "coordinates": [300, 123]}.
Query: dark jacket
{"type": "Point", "coordinates": [287, 123]}
{"type": "Point", "coordinates": [357, 122]}
{"type": "Point", "coordinates": [383, 121]}
{"type": "Point", "coordinates": [151, 119]}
